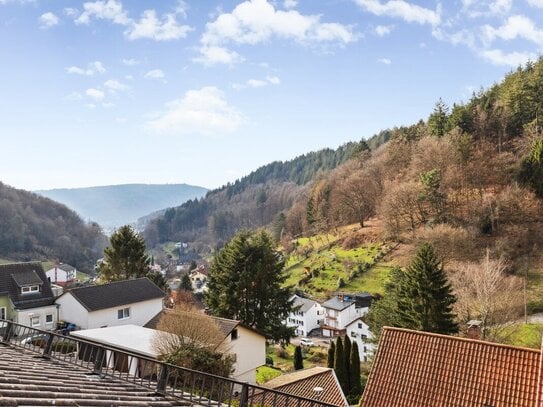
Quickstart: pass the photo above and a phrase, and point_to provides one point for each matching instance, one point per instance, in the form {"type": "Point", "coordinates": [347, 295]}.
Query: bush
{"type": "Point", "coordinates": [340, 283]}
{"type": "Point", "coordinates": [269, 360]}
{"type": "Point", "coordinates": [282, 353]}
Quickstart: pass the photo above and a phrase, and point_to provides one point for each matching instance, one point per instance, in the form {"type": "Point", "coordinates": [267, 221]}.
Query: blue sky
{"type": "Point", "coordinates": [203, 92]}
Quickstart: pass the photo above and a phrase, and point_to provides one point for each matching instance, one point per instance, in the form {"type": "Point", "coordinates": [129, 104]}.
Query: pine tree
{"type": "Point", "coordinates": [347, 353]}
{"type": "Point", "coordinates": [186, 284]}
{"type": "Point", "coordinates": [298, 359]}
{"type": "Point", "coordinates": [355, 382]}
{"type": "Point", "coordinates": [331, 351]}
{"type": "Point", "coordinates": [125, 258]}
{"type": "Point", "coordinates": [425, 298]}
{"type": "Point", "coordinates": [339, 365]}
{"type": "Point", "coordinates": [246, 282]}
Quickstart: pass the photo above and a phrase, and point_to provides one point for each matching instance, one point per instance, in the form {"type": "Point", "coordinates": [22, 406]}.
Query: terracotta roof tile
{"type": "Point", "coordinates": [303, 382]}
{"type": "Point", "coordinates": [420, 369]}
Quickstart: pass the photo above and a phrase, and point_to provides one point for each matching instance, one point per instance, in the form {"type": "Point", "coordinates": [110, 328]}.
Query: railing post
{"type": "Point", "coordinates": [99, 360]}
{"type": "Point", "coordinates": [48, 346]}
{"type": "Point", "coordinates": [7, 333]}
{"type": "Point", "coordinates": [162, 379]}
{"type": "Point", "coordinates": [244, 399]}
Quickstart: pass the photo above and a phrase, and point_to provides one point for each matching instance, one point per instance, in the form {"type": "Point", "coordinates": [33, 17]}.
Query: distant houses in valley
{"type": "Point", "coordinates": [62, 274]}
{"type": "Point", "coordinates": [306, 315]}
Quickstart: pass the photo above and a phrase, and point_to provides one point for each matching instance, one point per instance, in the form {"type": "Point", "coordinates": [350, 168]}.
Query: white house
{"type": "Point", "coordinates": [341, 310]}
{"type": "Point", "coordinates": [245, 344]}
{"type": "Point", "coordinates": [198, 279]}
{"type": "Point", "coordinates": [133, 302]}
{"type": "Point", "coordinates": [62, 274]}
{"type": "Point", "coordinates": [359, 332]}
{"type": "Point", "coordinates": [306, 315]}
{"type": "Point", "coordinates": [26, 296]}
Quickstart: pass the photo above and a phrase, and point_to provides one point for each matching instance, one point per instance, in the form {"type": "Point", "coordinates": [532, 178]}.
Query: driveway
{"type": "Point", "coordinates": [317, 340]}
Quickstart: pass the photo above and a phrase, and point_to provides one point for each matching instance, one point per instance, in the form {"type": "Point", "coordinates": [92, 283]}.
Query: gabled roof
{"type": "Point", "coordinates": [303, 383]}
{"type": "Point", "coordinates": [116, 294]}
{"type": "Point", "coordinates": [420, 369]}
{"type": "Point", "coordinates": [15, 275]}
{"type": "Point", "coordinates": [65, 267]}
{"type": "Point", "coordinates": [336, 304]}
{"type": "Point", "coordinates": [304, 304]}
{"type": "Point", "coordinates": [359, 319]}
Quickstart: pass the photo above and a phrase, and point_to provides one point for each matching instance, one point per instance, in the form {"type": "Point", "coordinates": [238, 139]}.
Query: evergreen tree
{"type": "Point", "coordinates": [355, 382]}
{"type": "Point", "coordinates": [347, 353]}
{"type": "Point", "coordinates": [186, 284]}
{"type": "Point", "coordinates": [158, 279]}
{"type": "Point", "coordinates": [438, 120]}
{"type": "Point", "coordinates": [425, 298]}
{"type": "Point", "coordinates": [246, 282]}
{"type": "Point", "coordinates": [331, 351]}
{"type": "Point", "coordinates": [125, 257]}
{"type": "Point", "coordinates": [339, 365]}
{"type": "Point", "coordinates": [298, 359]}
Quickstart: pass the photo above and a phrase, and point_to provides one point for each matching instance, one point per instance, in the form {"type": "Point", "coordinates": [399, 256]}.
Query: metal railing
{"type": "Point", "coordinates": [165, 379]}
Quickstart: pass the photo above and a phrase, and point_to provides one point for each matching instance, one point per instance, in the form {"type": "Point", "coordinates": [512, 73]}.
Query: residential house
{"type": "Point", "coordinates": [342, 309]}
{"type": "Point", "coordinates": [198, 278]}
{"type": "Point", "coordinates": [317, 383]}
{"type": "Point", "coordinates": [421, 369]}
{"type": "Point", "coordinates": [359, 332]}
{"type": "Point", "coordinates": [124, 302]}
{"type": "Point", "coordinates": [26, 296]}
{"type": "Point", "coordinates": [245, 344]}
{"type": "Point", "coordinates": [306, 315]}
{"type": "Point", "coordinates": [62, 274]}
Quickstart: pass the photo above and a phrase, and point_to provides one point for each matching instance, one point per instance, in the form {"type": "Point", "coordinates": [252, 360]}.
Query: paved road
{"type": "Point", "coordinates": [318, 341]}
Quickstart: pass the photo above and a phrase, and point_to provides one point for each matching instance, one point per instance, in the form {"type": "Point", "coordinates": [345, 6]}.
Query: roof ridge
{"type": "Point", "coordinates": [457, 338]}
{"type": "Point", "coordinates": [325, 370]}
{"type": "Point", "coordinates": [21, 263]}
{"type": "Point", "coordinates": [108, 283]}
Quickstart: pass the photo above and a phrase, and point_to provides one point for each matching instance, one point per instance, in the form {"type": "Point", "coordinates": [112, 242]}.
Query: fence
{"type": "Point", "coordinates": [165, 379]}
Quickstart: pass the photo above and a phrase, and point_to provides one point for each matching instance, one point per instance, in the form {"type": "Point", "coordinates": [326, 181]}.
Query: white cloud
{"type": "Point", "coordinates": [95, 94]}
{"type": "Point", "coordinates": [202, 111]}
{"type": "Point", "coordinates": [115, 85]}
{"type": "Point", "coordinates": [103, 10]}
{"type": "Point", "coordinates": [256, 21]}
{"type": "Point", "coordinates": [91, 69]}
{"type": "Point", "coordinates": [130, 61]}
{"type": "Point", "coordinates": [290, 3]}
{"type": "Point", "coordinates": [70, 11]}
{"type": "Point", "coordinates": [154, 74]}
{"type": "Point", "coordinates": [536, 3]}
{"type": "Point", "coordinates": [516, 26]}
{"type": "Point", "coordinates": [150, 26]}
{"type": "Point", "coordinates": [48, 20]}
{"type": "Point", "coordinates": [217, 55]}
{"type": "Point", "coordinates": [514, 59]}
{"type": "Point", "coordinates": [274, 80]}
{"type": "Point", "coordinates": [258, 83]}
{"type": "Point", "coordinates": [384, 61]}
{"type": "Point", "coordinates": [411, 13]}
{"type": "Point", "coordinates": [383, 30]}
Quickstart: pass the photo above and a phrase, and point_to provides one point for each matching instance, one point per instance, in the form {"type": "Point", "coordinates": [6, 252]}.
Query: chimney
{"type": "Point", "coordinates": [474, 329]}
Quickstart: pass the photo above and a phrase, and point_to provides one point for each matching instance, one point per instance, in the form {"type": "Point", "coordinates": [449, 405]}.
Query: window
{"type": "Point", "coordinates": [49, 319]}
{"type": "Point", "coordinates": [364, 336]}
{"type": "Point", "coordinates": [35, 320]}
{"type": "Point", "coordinates": [30, 289]}
{"type": "Point", "coordinates": [360, 325]}
{"type": "Point", "coordinates": [123, 313]}
{"type": "Point", "coordinates": [234, 334]}
{"type": "Point", "coordinates": [3, 313]}
{"type": "Point", "coordinates": [353, 334]}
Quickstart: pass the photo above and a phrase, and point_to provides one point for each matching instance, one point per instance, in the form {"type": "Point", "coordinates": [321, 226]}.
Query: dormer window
{"type": "Point", "coordinates": [27, 289]}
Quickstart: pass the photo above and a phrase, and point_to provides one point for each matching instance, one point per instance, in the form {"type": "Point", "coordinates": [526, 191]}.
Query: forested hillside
{"type": "Point", "coordinates": [36, 228]}
{"type": "Point", "coordinates": [253, 201]}
{"type": "Point", "coordinates": [116, 205]}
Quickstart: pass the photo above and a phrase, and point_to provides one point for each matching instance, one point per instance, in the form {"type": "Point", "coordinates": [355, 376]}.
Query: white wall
{"type": "Point", "coordinates": [250, 350]}
{"type": "Point", "coordinates": [61, 276]}
{"type": "Point", "coordinates": [359, 331]}
{"type": "Point", "coordinates": [23, 317]}
{"type": "Point", "coordinates": [340, 319]}
{"type": "Point", "coordinates": [140, 313]}
{"type": "Point", "coordinates": [305, 322]}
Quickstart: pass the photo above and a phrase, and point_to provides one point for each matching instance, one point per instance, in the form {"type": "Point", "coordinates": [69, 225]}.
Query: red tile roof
{"type": "Point", "coordinates": [421, 369]}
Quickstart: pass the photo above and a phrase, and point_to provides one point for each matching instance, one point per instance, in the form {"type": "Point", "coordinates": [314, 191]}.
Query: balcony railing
{"type": "Point", "coordinates": [199, 388]}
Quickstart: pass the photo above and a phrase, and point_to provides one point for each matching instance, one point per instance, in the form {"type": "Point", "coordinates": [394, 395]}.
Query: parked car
{"type": "Point", "coordinates": [306, 342]}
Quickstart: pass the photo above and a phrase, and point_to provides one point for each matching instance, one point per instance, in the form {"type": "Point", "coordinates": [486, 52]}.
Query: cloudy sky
{"type": "Point", "coordinates": [203, 92]}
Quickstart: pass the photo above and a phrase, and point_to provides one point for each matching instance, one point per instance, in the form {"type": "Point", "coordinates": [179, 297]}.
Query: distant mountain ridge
{"type": "Point", "coordinates": [115, 205]}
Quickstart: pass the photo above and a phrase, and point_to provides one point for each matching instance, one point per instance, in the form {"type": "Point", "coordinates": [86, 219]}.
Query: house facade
{"type": "Point", "coordinates": [126, 302]}
{"type": "Point", "coordinates": [62, 274]}
{"type": "Point", "coordinates": [26, 296]}
{"type": "Point", "coordinates": [359, 332]}
{"type": "Point", "coordinates": [306, 315]}
{"type": "Point", "coordinates": [342, 309]}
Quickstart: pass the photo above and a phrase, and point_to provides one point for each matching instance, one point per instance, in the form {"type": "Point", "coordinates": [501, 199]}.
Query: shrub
{"type": "Point", "coordinates": [269, 360]}
{"type": "Point", "coordinates": [282, 353]}
{"type": "Point", "coordinates": [340, 283]}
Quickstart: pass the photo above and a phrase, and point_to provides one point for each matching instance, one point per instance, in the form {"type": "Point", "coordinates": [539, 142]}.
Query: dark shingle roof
{"type": "Point", "coordinates": [115, 294]}
{"type": "Point", "coordinates": [336, 304]}
{"type": "Point", "coordinates": [15, 275]}
{"type": "Point", "coordinates": [27, 380]}
{"type": "Point", "coordinates": [65, 267]}
{"type": "Point", "coordinates": [302, 304]}
{"type": "Point", "coordinates": [420, 369]}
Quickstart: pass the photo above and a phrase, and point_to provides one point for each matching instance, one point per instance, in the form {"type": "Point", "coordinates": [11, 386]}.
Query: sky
{"type": "Point", "coordinates": [203, 92]}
